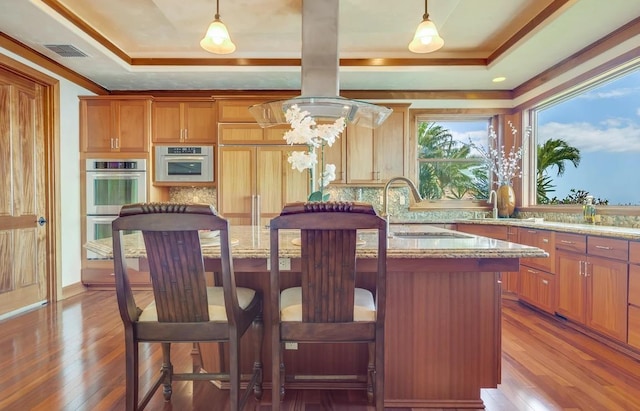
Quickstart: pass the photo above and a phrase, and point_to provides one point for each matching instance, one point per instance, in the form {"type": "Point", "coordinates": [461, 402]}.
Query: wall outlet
{"type": "Point", "coordinates": [283, 263]}
{"type": "Point", "coordinates": [290, 346]}
{"type": "Point", "coordinates": [402, 200]}
{"type": "Point", "coordinates": [381, 199]}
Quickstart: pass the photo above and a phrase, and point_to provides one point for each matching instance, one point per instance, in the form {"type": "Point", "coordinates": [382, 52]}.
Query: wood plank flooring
{"type": "Point", "coordinates": [69, 356]}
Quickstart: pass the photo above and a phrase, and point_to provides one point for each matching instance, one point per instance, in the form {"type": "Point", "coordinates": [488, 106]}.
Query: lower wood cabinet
{"type": "Point", "coordinates": [537, 288]}
{"type": "Point", "coordinates": [592, 290]}
{"type": "Point", "coordinates": [633, 337]}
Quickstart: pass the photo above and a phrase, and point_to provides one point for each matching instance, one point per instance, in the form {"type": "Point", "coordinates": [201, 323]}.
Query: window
{"type": "Point", "coordinates": [449, 168]}
{"type": "Point", "coordinates": [588, 143]}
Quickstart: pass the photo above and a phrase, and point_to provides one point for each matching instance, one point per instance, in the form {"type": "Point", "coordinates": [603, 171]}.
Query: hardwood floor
{"type": "Point", "coordinates": [69, 356]}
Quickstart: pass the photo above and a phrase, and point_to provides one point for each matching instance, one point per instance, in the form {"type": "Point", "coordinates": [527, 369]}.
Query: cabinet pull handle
{"type": "Point", "coordinates": [532, 271]}
{"type": "Point", "coordinates": [112, 143]}
{"type": "Point", "coordinates": [603, 247]}
{"type": "Point", "coordinates": [545, 240]}
{"type": "Point", "coordinates": [581, 268]}
{"type": "Point", "coordinates": [186, 134]}
{"type": "Point", "coordinates": [531, 231]}
{"type": "Point", "coordinates": [545, 282]}
{"type": "Point", "coordinates": [117, 142]}
{"type": "Point", "coordinates": [567, 242]}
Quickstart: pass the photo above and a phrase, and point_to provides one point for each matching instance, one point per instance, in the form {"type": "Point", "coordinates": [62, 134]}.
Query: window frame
{"type": "Point", "coordinates": [420, 115]}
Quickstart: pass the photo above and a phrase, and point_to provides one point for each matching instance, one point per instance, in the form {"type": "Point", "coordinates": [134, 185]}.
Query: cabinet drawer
{"type": "Point", "coordinates": [634, 252]}
{"type": "Point", "coordinates": [608, 247]}
{"type": "Point", "coordinates": [497, 232]}
{"type": "Point", "coordinates": [634, 285]}
{"type": "Point", "coordinates": [571, 242]}
{"type": "Point", "coordinates": [634, 326]}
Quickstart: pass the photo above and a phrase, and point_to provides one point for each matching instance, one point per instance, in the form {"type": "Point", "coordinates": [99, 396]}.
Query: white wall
{"type": "Point", "coordinates": [69, 177]}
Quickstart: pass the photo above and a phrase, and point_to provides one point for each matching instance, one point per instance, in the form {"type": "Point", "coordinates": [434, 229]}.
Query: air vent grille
{"type": "Point", "coordinates": [65, 50]}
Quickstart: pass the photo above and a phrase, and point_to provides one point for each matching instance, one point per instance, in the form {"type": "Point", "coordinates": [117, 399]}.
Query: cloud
{"type": "Point", "coordinates": [613, 135]}
{"type": "Point", "coordinates": [604, 94]}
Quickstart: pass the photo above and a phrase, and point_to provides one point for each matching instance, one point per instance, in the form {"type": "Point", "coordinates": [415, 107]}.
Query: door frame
{"type": "Point", "coordinates": [51, 138]}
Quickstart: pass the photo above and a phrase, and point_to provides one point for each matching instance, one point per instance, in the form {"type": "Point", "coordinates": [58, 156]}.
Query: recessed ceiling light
{"type": "Point", "coordinates": [499, 79]}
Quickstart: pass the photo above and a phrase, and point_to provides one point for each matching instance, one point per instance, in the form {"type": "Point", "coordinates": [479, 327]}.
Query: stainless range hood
{"type": "Point", "coordinates": [320, 84]}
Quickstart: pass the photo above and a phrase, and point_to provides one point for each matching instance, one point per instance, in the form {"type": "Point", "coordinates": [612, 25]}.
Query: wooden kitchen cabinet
{"type": "Point", "coordinates": [543, 239]}
{"type": "Point", "coordinates": [256, 182]}
{"type": "Point", "coordinates": [537, 288]}
{"type": "Point", "coordinates": [179, 121]}
{"type": "Point", "coordinates": [376, 155]}
{"type": "Point", "coordinates": [509, 280]}
{"type": "Point", "coordinates": [592, 289]}
{"type": "Point", "coordinates": [115, 124]}
{"type": "Point", "coordinates": [251, 133]}
{"type": "Point", "coordinates": [633, 337]}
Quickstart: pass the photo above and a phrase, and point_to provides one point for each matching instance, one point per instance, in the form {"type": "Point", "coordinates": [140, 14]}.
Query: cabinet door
{"type": "Point", "coordinates": [96, 132]}
{"type": "Point", "coordinates": [571, 285]}
{"type": "Point", "coordinates": [199, 122]}
{"type": "Point", "coordinates": [607, 293]}
{"type": "Point", "coordinates": [537, 288]}
{"type": "Point", "coordinates": [390, 146]}
{"type": "Point", "coordinates": [542, 239]}
{"type": "Point", "coordinates": [132, 119]}
{"type": "Point", "coordinates": [336, 155]}
{"type": "Point", "coordinates": [167, 124]}
{"type": "Point", "coordinates": [360, 155]}
{"type": "Point", "coordinates": [240, 134]}
{"type": "Point", "coordinates": [236, 185]}
{"type": "Point", "coordinates": [277, 182]}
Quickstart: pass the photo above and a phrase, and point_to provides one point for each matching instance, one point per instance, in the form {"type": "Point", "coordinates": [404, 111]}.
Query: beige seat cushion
{"type": "Point", "coordinates": [291, 305]}
{"type": "Point", "coordinates": [215, 296]}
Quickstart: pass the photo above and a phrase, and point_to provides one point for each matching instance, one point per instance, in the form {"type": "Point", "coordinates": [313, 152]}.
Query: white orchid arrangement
{"type": "Point", "coordinates": [304, 130]}
{"type": "Point", "coordinates": [506, 166]}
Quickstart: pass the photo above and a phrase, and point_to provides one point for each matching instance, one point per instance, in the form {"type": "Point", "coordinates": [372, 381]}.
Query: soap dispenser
{"type": "Point", "coordinates": [589, 211]}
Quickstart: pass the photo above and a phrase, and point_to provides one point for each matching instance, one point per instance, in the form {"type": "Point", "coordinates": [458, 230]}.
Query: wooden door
{"type": "Point", "coordinates": [132, 125]}
{"type": "Point", "coordinates": [571, 287]}
{"type": "Point", "coordinates": [23, 242]}
{"type": "Point", "coordinates": [607, 297]}
{"type": "Point", "coordinates": [167, 124]}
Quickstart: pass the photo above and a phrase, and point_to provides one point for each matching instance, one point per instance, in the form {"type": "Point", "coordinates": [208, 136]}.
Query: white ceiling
{"type": "Point", "coordinates": [269, 31]}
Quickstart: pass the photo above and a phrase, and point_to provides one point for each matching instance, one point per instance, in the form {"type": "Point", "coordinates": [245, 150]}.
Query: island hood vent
{"type": "Point", "coordinates": [320, 66]}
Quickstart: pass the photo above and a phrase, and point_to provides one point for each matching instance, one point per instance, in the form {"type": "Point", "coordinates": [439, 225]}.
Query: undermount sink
{"type": "Point", "coordinates": [429, 234]}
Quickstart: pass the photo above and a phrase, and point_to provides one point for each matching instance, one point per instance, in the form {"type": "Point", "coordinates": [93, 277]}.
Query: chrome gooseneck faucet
{"type": "Point", "coordinates": [385, 198]}
{"type": "Point", "coordinates": [494, 195]}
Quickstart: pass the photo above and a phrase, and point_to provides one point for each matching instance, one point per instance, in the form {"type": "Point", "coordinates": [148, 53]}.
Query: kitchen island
{"type": "Point", "coordinates": [442, 332]}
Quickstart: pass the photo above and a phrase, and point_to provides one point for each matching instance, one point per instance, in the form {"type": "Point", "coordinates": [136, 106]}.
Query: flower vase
{"type": "Point", "coordinates": [506, 199]}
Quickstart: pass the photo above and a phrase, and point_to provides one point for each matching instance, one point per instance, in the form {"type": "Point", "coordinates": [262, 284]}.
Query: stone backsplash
{"type": "Point", "coordinates": [399, 206]}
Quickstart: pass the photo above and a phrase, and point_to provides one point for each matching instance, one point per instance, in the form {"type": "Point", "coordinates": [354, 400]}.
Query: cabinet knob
{"type": "Point", "coordinates": [545, 282]}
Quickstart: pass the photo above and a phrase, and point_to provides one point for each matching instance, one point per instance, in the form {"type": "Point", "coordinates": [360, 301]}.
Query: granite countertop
{"type": "Point", "coordinates": [417, 241]}
{"type": "Point", "coordinates": [589, 229]}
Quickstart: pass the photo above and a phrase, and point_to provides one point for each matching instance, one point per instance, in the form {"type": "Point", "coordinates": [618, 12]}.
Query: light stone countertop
{"type": "Point", "coordinates": [253, 242]}
{"type": "Point", "coordinates": [588, 229]}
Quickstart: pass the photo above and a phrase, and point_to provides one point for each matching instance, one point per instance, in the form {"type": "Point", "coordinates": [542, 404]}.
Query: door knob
{"type": "Point", "coordinates": [42, 221]}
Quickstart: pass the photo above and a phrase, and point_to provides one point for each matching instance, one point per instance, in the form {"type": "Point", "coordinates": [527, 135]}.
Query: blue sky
{"type": "Point", "coordinates": [604, 124]}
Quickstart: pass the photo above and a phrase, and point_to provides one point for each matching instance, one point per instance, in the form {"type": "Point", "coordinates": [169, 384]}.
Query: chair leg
{"type": "Point", "coordinates": [234, 371]}
{"type": "Point", "coordinates": [379, 372]}
{"type": "Point", "coordinates": [258, 329]}
{"type": "Point", "coordinates": [131, 371]}
{"type": "Point", "coordinates": [277, 367]}
{"type": "Point", "coordinates": [196, 358]}
{"type": "Point", "coordinates": [371, 369]}
{"type": "Point", "coordinates": [167, 371]}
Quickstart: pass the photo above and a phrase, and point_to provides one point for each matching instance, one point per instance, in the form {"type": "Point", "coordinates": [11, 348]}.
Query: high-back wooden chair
{"type": "Point", "coordinates": [328, 307]}
{"type": "Point", "coordinates": [184, 308]}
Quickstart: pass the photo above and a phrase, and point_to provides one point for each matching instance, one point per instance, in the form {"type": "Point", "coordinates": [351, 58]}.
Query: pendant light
{"type": "Point", "coordinates": [426, 38]}
{"type": "Point", "coordinates": [217, 39]}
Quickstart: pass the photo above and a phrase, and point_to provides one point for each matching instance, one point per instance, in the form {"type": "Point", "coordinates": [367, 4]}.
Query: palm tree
{"type": "Point", "coordinates": [438, 179]}
{"type": "Point", "coordinates": [553, 153]}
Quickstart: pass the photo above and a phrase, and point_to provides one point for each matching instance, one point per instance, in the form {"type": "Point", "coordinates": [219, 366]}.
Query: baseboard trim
{"type": "Point", "coordinates": [72, 290]}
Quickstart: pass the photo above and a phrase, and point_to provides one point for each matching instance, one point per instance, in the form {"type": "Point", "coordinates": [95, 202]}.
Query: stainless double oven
{"type": "Point", "coordinates": [110, 184]}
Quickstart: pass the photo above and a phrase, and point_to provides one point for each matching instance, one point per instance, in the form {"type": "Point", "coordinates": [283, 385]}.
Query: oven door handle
{"type": "Point", "coordinates": [186, 158]}
{"type": "Point", "coordinates": [130, 175]}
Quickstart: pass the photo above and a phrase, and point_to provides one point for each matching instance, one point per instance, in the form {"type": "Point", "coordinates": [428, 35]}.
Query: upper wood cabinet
{"type": "Point", "coordinates": [250, 133]}
{"type": "Point", "coordinates": [183, 121]}
{"type": "Point", "coordinates": [236, 110]}
{"type": "Point", "coordinates": [115, 124]}
{"type": "Point", "coordinates": [376, 155]}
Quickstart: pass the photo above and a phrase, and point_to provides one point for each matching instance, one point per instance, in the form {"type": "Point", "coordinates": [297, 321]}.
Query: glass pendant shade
{"type": "Point", "coordinates": [426, 38]}
{"type": "Point", "coordinates": [217, 39]}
